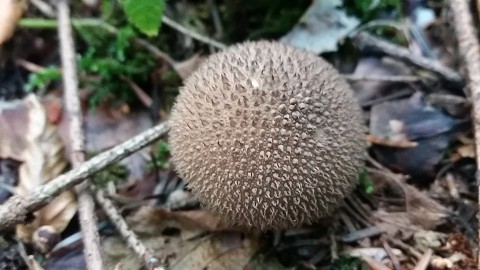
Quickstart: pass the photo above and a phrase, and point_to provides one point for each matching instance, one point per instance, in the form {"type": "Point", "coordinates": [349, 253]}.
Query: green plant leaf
{"type": "Point", "coordinates": [41, 79]}
{"type": "Point", "coordinates": [365, 182]}
{"type": "Point", "coordinates": [146, 15]}
{"type": "Point", "coordinates": [161, 154]}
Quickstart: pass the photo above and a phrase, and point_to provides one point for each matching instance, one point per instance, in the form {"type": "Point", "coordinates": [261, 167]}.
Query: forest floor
{"type": "Point", "coordinates": [409, 63]}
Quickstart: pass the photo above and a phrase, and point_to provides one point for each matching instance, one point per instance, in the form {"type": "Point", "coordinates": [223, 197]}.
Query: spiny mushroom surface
{"type": "Point", "coordinates": [267, 136]}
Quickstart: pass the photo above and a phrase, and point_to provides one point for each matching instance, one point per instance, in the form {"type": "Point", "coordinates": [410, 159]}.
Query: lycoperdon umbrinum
{"type": "Point", "coordinates": [267, 136]}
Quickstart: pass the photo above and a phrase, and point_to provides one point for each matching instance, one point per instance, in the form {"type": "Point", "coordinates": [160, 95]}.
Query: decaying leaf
{"type": "Point", "coordinates": [8, 177]}
{"type": "Point", "coordinates": [10, 13]}
{"type": "Point", "coordinates": [182, 237]}
{"type": "Point", "coordinates": [27, 136]}
{"type": "Point", "coordinates": [105, 128]}
{"type": "Point", "coordinates": [420, 211]}
{"type": "Point", "coordinates": [321, 27]}
{"type": "Point", "coordinates": [367, 91]}
{"type": "Point", "coordinates": [186, 67]}
{"type": "Point", "coordinates": [194, 220]}
{"type": "Point", "coordinates": [413, 120]}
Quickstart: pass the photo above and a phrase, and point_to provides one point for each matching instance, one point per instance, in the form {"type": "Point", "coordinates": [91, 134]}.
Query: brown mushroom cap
{"type": "Point", "coordinates": [267, 136]}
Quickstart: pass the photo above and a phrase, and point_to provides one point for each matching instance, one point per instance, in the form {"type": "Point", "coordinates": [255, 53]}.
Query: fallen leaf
{"type": "Point", "coordinates": [366, 91]}
{"type": "Point", "coordinates": [428, 239]}
{"type": "Point", "coordinates": [321, 27]}
{"type": "Point", "coordinates": [216, 253]}
{"type": "Point", "coordinates": [413, 120]}
{"type": "Point", "coordinates": [466, 151]}
{"type": "Point", "coordinates": [183, 239]}
{"type": "Point", "coordinates": [10, 13]}
{"type": "Point", "coordinates": [191, 220]}
{"type": "Point", "coordinates": [29, 137]}
{"type": "Point", "coordinates": [104, 129]}
{"type": "Point", "coordinates": [73, 259]}
{"type": "Point", "coordinates": [421, 211]}
{"type": "Point", "coordinates": [8, 177]}
{"type": "Point", "coordinates": [188, 66]}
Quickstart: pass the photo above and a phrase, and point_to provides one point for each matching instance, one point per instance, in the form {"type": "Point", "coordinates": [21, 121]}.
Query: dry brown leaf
{"type": "Point", "coordinates": [175, 235]}
{"type": "Point", "coordinates": [106, 128]}
{"type": "Point", "coordinates": [421, 210]}
{"type": "Point", "coordinates": [10, 13]}
{"type": "Point", "coordinates": [186, 67]}
{"type": "Point", "coordinates": [191, 220]}
{"type": "Point", "coordinates": [32, 139]}
{"type": "Point", "coordinates": [466, 150]}
{"type": "Point", "coordinates": [217, 253]}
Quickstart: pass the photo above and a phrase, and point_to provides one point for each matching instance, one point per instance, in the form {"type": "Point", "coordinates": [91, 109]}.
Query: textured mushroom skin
{"type": "Point", "coordinates": [267, 136]}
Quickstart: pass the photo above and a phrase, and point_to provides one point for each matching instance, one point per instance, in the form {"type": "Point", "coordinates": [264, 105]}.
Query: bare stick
{"type": "Point", "coordinates": [470, 54]}
{"type": "Point", "coordinates": [182, 29]}
{"type": "Point", "coordinates": [86, 206]}
{"type": "Point", "coordinates": [424, 262]}
{"type": "Point", "coordinates": [17, 209]}
{"type": "Point", "coordinates": [40, 23]}
{"type": "Point", "coordinates": [43, 7]}
{"type": "Point", "coordinates": [392, 79]}
{"type": "Point", "coordinates": [145, 254]}
{"type": "Point", "coordinates": [368, 42]}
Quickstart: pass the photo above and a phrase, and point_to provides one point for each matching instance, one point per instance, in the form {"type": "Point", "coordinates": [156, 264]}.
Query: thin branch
{"type": "Point", "coordinates": [424, 262]}
{"type": "Point", "coordinates": [368, 42]}
{"type": "Point", "coordinates": [144, 253]}
{"type": "Point", "coordinates": [144, 98]}
{"type": "Point", "coordinates": [393, 257]}
{"type": "Point", "coordinates": [470, 54]}
{"type": "Point", "coordinates": [86, 205]}
{"type": "Point", "coordinates": [182, 29]}
{"type": "Point", "coordinates": [393, 79]}
{"type": "Point", "coordinates": [43, 7]}
{"type": "Point", "coordinates": [40, 23]}
{"type": "Point", "coordinates": [18, 209]}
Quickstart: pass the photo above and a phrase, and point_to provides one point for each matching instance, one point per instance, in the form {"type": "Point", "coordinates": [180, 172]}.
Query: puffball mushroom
{"type": "Point", "coordinates": [267, 136]}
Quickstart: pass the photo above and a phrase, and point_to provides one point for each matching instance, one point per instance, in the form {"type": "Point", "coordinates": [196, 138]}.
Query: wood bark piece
{"type": "Point", "coordinates": [470, 54]}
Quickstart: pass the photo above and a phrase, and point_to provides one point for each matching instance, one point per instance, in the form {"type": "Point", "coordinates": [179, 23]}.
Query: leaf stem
{"type": "Point", "coordinates": [41, 23]}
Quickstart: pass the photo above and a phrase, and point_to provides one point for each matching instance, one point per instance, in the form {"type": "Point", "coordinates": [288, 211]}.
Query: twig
{"type": "Point", "coordinates": [32, 67]}
{"type": "Point", "coordinates": [361, 234]}
{"type": "Point", "coordinates": [86, 205]}
{"type": "Point", "coordinates": [393, 79]}
{"type": "Point", "coordinates": [405, 247]}
{"type": "Point", "coordinates": [217, 22]}
{"type": "Point", "coordinates": [394, 95]}
{"type": "Point", "coordinates": [182, 29]}
{"type": "Point", "coordinates": [391, 143]}
{"type": "Point", "coordinates": [393, 257]}
{"type": "Point", "coordinates": [470, 54]}
{"type": "Point", "coordinates": [374, 264]}
{"type": "Point", "coordinates": [154, 51]}
{"type": "Point", "coordinates": [17, 209]}
{"type": "Point", "coordinates": [368, 42]}
{"type": "Point", "coordinates": [144, 98]}
{"type": "Point", "coordinates": [45, 8]}
{"type": "Point", "coordinates": [333, 246]}
{"type": "Point", "coordinates": [40, 23]}
{"type": "Point", "coordinates": [424, 261]}
{"type": "Point", "coordinates": [145, 254]}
